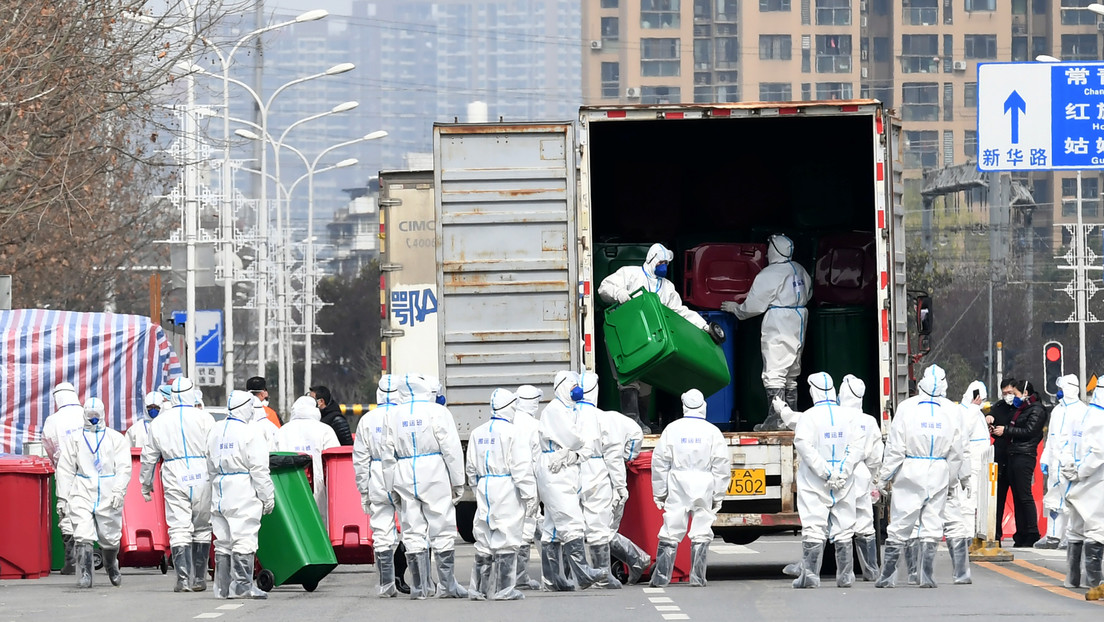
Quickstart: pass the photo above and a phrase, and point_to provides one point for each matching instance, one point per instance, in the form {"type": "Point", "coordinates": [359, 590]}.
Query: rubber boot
{"type": "Point", "coordinates": [82, 552]}
{"type": "Point", "coordinates": [418, 563]}
{"type": "Point", "coordinates": [845, 564]}
{"type": "Point", "coordinates": [480, 585]}
{"type": "Point", "coordinates": [812, 555]}
{"type": "Point", "coordinates": [912, 554]}
{"type": "Point", "coordinates": [552, 574]}
{"type": "Point", "coordinates": [1073, 564]}
{"type": "Point", "coordinates": [524, 582]}
{"type": "Point", "coordinates": [182, 562]}
{"type": "Point", "coordinates": [399, 559]}
{"type": "Point", "coordinates": [630, 407]}
{"type": "Point", "coordinates": [201, 556]}
{"type": "Point", "coordinates": [505, 571]}
{"type": "Point", "coordinates": [891, 555]}
{"type": "Point", "coordinates": [447, 587]}
{"type": "Point", "coordinates": [791, 398]}
{"type": "Point", "coordinates": [1046, 542]}
{"type": "Point", "coordinates": [585, 576]}
{"type": "Point", "coordinates": [634, 557]}
{"type": "Point", "coordinates": [927, 563]}
{"type": "Point", "coordinates": [111, 565]}
{"type": "Point", "coordinates": [665, 564]}
{"type": "Point", "coordinates": [222, 576]}
{"type": "Point", "coordinates": [70, 565]}
{"type": "Point", "coordinates": [1093, 553]}
{"type": "Point", "coordinates": [241, 578]}
{"type": "Point", "coordinates": [385, 568]}
{"type": "Point", "coordinates": [773, 422]}
{"type": "Point", "coordinates": [959, 549]}
{"type": "Point", "coordinates": [792, 569]}
{"type": "Point", "coordinates": [600, 555]}
{"type": "Point", "coordinates": [868, 556]}
{"type": "Point", "coordinates": [699, 554]}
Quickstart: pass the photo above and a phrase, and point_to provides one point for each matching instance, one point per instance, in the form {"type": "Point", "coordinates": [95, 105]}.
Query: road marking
{"type": "Point", "coordinates": [1049, 553]}
{"type": "Point", "coordinates": [1039, 569]}
{"type": "Point", "coordinates": [237, 606]}
{"type": "Point", "coordinates": [653, 590]}
{"type": "Point", "coordinates": [675, 616]}
{"type": "Point", "coordinates": [667, 608]}
{"type": "Point", "coordinates": [732, 549]}
{"type": "Point", "coordinates": [1026, 580]}
{"type": "Point", "coordinates": [660, 599]}
{"type": "Point", "coordinates": [204, 616]}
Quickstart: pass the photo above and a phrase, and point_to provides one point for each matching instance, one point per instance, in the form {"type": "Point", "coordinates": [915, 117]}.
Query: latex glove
{"type": "Point", "coordinates": [717, 505]}
{"type": "Point", "coordinates": [147, 495]}
{"type": "Point", "coordinates": [457, 493]}
{"type": "Point", "coordinates": [965, 484]}
{"type": "Point", "coordinates": [620, 497]}
{"type": "Point", "coordinates": [880, 488]}
{"type": "Point", "coordinates": [729, 306]}
{"type": "Point", "coordinates": [532, 508]}
{"type": "Point", "coordinates": [827, 474]}
{"type": "Point", "coordinates": [875, 495]}
{"type": "Point", "coordinates": [1069, 471]}
{"type": "Point", "coordinates": [659, 501]}
{"type": "Point", "coordinates": [365, 504]}
{"type": "Point", "coordinates": [778, 403]}
{"type": "Point", "coordinates": [622, 297]}
{"type": "Point", "coordinates": [268, 505]}
{"type": "Point", "coordinates": [837, 482]}
{"type": "Point", "coordinates": [562, 458]}
{"type": "Point", "coordinates": [117, 500]}
{"type": "Point", "coordinates": [62, 508]}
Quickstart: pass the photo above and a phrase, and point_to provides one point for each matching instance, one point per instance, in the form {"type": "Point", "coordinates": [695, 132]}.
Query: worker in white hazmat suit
{"type": "Point", "coordinates": [138, 432]}
{"type": "Point", "coordinates": [67, 419]}
{"type": "Point", "coordinates": [429, 479]}
{"type": "Point", "coordinates": [558, 475]}
{"type": "Point", "coordinates": [528, 404]}
{"type": "Point", "coordinates": [92, 476]}
{"type": "Point", "coordinates": [923, 452]}
{"type": "Point", "coordinates": [306, 434]}
{"type": "Point", "coordinates": [691, 469]}
{"type": "Point", "coordinates": [1069, 408]}
{"type": "Point", "coordinates": [242, 491]}
{"type": "Point", "coordinates": [1083, 467]}
{"type": "Point", "coordinates": [374, 463]}
{"type": "Point", "coordinates": [499, 467]}
{"type": "Point", "coordinates": [620, 286]}
{"type": "Point", "coordinates": [261, 420]}
{"type": "Point", "coordinates": [779, 292]}
{"type": "Point", "coordinates": [602, 485]}
{"type": "Point", "coordinates": [829, 443]}
{"type": "Point", "coordinates": [178, 436]}
{"type": "Point", "coordinates": [851, 394]}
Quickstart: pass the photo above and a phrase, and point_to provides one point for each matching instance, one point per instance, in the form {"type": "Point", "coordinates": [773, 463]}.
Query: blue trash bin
{"type": "Point", "coordinates": [720, 405]}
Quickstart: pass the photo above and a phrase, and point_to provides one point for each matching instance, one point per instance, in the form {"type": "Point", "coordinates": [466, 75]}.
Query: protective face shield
{"type": "Point", "coordinates": [502, 404]}
{"type": "Point", "coordinates": [779, 248]}
{"type": "Point", "coordinates": [693, 404]}
{"type": "Point", "coordinates": [940, 379]}
{"type": "Point", "coordinates": [305, 407]}
{"type": "Point", "coordinates": [94, 413]}
{"type": "Point", "coordinates": [657, 253]}
{"type": "Point", "coordinates": [567, 387]}
{"type": "Point", "coordinates": [588, 380]}
{"type": "Point", "coordinates": [529, 398]}
{"type": "Point", "coordinates": [240, 405]}
{"type": "Point", "coordinates": [65, 394]}
{"type": "Point", "coordinates": [183, 392]}
{"type": "Point", "coordinates": [851, 392]}
{"type": "Point", "coordinates": [822, 388]}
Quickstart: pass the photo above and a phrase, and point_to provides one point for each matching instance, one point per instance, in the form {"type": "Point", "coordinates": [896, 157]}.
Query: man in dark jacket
{"type": "Point", "coordinates": [331, 414]}
{"type": "Point", "coordinates": [1017, 427]}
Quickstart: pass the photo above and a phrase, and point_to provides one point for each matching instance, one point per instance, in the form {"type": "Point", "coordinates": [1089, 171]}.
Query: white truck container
{"type": "Point", "coordinates": [521, 209]}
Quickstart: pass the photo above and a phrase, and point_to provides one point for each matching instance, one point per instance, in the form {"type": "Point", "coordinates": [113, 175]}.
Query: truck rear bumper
{"type": "Point", "coordinates": [780, 520]}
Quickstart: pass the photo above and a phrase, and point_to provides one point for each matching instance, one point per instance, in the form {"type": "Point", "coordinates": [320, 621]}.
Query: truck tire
{"type": "Point", "coordinates": [740, 537]}
{"type": "Point", "coordinates": [465, 517]}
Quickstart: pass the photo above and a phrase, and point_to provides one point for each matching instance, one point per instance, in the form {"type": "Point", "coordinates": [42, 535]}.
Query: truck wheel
{"type": "Point", "coordinates": [740, 537]}
{"type": "Point", "coordinates": [465, 517]}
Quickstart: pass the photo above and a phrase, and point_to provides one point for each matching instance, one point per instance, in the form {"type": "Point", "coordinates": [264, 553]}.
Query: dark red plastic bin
{"type": "Point", "coordinates": [846, 272]}
{"type": "Point", "coordinates": [347, 523]}
{"type": "Point", "coordinates": [25, 517]}
{"type": "Point", "coordinates": [642, 519]}
{"type": "Point", "coordinates": [714, 273]}
{"type": "Point", "coordinates": [145, 541]}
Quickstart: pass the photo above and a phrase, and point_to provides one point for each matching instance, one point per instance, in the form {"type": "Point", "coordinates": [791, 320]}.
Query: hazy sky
{"type": "Point", "coordinates": [337, 7]}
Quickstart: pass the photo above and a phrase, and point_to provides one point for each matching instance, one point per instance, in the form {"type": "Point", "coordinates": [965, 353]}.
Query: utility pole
{"type": "Point", "coordinates": [1080, 259]}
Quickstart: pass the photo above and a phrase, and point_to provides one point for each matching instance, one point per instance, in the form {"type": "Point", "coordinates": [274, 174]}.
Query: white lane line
{"type": "Point", "coordinates": [653, 590]}
{"type": "Point", "coordinates": [675, 616]}
{"type": "Point", "coordinates": [667, 608]}
{"type": "Point", "coordinates": [732, 549]}
{"type": "Point", "coordinates": [231, 607]}
{"type": "Point", "coordinates": [205, 616]}
{"type": "Point", "coordinates": [660, 599]}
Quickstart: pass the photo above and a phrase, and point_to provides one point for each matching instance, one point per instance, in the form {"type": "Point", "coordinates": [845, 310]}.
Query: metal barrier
{"type": "Point", "coordinates": [985, 546]}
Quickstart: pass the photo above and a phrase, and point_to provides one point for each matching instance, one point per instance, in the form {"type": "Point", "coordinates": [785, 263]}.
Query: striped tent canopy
{"type": "Point", "coordinates": [117, 358]}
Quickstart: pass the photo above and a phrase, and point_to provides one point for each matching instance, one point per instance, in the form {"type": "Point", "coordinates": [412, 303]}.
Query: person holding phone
{"type": "Point", "coordinates": [1017, 428]}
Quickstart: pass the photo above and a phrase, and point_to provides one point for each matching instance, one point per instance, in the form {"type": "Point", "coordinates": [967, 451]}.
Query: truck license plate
{"type": "Point", "coordinates": [748, 482]}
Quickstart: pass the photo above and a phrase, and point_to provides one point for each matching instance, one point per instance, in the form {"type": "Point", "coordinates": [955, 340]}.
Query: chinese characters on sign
{"type": "Point", "coordinates": [412, 306]}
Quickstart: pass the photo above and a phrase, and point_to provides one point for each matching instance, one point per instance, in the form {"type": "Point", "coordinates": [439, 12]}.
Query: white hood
{"type": "Point", "coordinates": [822, 388]}
{"type": "Point", "coordinates": [693, 404]}
{"type": "Point", "coordinates": [779, 249]}
{"type": "Point", "coordinates": [851, 392]}
{"type": "Point", "coordinates": [305, 408]}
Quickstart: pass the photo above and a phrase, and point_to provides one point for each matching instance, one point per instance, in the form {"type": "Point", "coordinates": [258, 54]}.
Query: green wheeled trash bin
{"type": "Point", "coordinates": [293, 544]}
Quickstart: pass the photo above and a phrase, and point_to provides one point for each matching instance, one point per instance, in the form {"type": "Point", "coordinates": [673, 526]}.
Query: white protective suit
{"type": "Point", "coordinates": [1066, 412]}
{"type": "Point", "coordinates": [960, 513]}
{"type": "Point", "coordinates": [602, 484]}
{"type": "Point", "coordinates": [242, 489]}
{"type": "Point", "coordinates": [851, 394]}
{"type": "Point", "coordinates": [619, 286]}
{"type": "Point", "coordinates": [66, 420]}
{"type": "Point", "coordinates": [561, 442]}
{"type": "Point", "coordinates": [499, 468]}
{"type": "Point", "coordinates": [138, 432]}
{"type": "Point", "coordinates": [374, 462]}
{"type": "Point", "coordinates": [92, 476]}
{"type": "Point", "coordinates": [429, 476]}
{"type": "Point", "coordinates": [779, 292]}
{"type": "Point", "coordinates": [1083, 465]}
{"type": "Point", "coordinates": [691, 469]}
{"type": "Point", "coordinates": [261, 420]}
{"type": "Point", "coordinates": [306, 434]}
{"type": "Point", "coordinates": [178, 436]}
{"type": "Point", "coordinates": [528, 405]}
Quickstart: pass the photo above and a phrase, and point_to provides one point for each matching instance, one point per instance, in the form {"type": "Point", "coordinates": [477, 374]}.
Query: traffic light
{"type": "Point", "coordinates": [1052, 366]}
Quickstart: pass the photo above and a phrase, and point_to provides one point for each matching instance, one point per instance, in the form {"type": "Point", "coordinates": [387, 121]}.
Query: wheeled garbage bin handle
{"type": "Point", "coordinates": [638, 291]}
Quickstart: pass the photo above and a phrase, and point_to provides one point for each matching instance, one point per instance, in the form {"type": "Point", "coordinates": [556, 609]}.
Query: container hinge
{"type": "Point", "coordinates": [391, 267]}
{"type": "Point", "coordinates": [390, 202]}
{"type": "Point", "coordinates": [391, 333]}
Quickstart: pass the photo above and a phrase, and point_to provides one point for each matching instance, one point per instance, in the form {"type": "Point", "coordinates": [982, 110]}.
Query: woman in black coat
{"type": "Point", "coordinates": [1021, 435]}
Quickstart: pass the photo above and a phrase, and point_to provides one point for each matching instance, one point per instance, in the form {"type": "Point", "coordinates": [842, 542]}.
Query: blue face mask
{"type": "Point", "coordinates": [153, 412]}
{"type": "Point", "coordinates": [441, 400]}
{"type": "Point", "coordinates": [94, 421]}
{"type": "Point", "coordinates": [1017, 402]}
{"type": "Point", "coordinates": [661, 271]}
{"type": "Point", "coordinates": [577, 394]}
{"type": "Point", "coordinates": [1061, 394]}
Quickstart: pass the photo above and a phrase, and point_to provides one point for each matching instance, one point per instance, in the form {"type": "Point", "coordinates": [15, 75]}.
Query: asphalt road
{"type": "Point", "coordinates": [745, 583]}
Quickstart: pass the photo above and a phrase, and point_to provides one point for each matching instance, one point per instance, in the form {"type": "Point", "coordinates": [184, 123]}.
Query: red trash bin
{"type": "Point", "coordinates": [145, 541]}
{"type": "Point", "coordinates": [25, 518]}
{"type": "Point", "coordinates": [347, 523]}
{"type": "Point", "coordinates": [714, 273]}
{"type": "Point", "coordinates": [642, 519]}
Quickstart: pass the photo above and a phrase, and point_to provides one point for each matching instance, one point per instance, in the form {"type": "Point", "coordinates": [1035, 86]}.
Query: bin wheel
{"type": "Point", "coordinates": [465, 519]}
{"type": "Point", "coordinates": [310, 587]}
{"type": "Point", "coordinates": [619, 571]}
{"type": "Point", "coordinates": [266, 580]}
{"type": "Point", "coordinates": [164, 565]}
{"type": "Point", "coordinates": [97, 559]}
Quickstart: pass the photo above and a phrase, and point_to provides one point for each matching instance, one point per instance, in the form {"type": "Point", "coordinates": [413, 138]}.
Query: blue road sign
{"type": "Point", "coordinates": [208, 336]}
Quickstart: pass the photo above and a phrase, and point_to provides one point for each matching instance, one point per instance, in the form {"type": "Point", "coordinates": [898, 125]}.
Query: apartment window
{"type": "Point", "coordinates": [774, 5]}
{"type": "Point", "coordinates": [1079, 47]}
{"type": "Point", "coordinates": [948, 12]}
{"type": "Point", "coordinates": [880, 7]}
{"type": "Point", "coordinates": [833, 90]}
{"type": "Point", "coordinates": [659, 57]}
{"type": "Point", "coordinates": [610, 28]}
{"type": "Point", "coordinates": [703, 9]}
{"type": "Point", "coordinates": [806, 92]}
{"type": "Point", "coordinates": [833, 53]}
{"type": "Point", "coordinates": [659, 14]}
{"type": "Point", "coordinates": [982, 46]}
{"type": "Point", "coordinates": [920, 101]}
{"type": "Point", "coordinates": [727, 93]}
{"type": "Point", "coordinates": [806, 61]}
{"type": "Point", "coordinates": [660, 95]}
{"type": "Point", "coordinates": [609, 4]}
{"type": "Point", "coordinates": [833, 12]}
{"type": "Point", "coordinates": [948, 53]}
{"type": "Point", "coordinates": [1074, 13]}
{"type": "Point", "coordinates": [948, 147]}
{"type": "Point", "coordinates": [1019, 49]}
{"type": "Point", "coordinates": [969, 95]}
{"type": "Point", "coordinates": [611, 80]}
{"type": "Point", "coordinates": [703, 55]}
{"type": "Point", "coordinates": [1090, 196]}
{"type": "Point", "coordinates": [806, 12]}
{"type": "Point", "coordinates": [918, 53]}
{"type": "Point", "coordinates": [981, 5]}
{"type": "Point", "coordinates": [884, 94]}
{"type": "Point", "coordinates": [881, 49]}
{"type": "Point", "coordinates": [727, 10]}
{"type": "Point", "coordinates": [1039, 7]}
{"type": "Point", "coordinates": [921, 149]}
{"type": "Point", "coordinates": [775, 92]}
{"type": "Point", "coordinates": [922, 13]}
{"type": "Point", "coordinates": [948, 101]}
{"type": "Point", "coordinates": [1038, 46]}
{"type": "Point", "coordinates": [727, 53]}
{"type": "Point", "coordinates": [969, 144]}
{"type": "Point", "coordinates": [775, 47]}
{"type": "Point", "coordinates": [1019, 7]}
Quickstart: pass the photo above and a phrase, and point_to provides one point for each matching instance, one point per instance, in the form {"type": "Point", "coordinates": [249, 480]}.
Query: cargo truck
{"type": "Point", "coordinates": [529, 217]}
